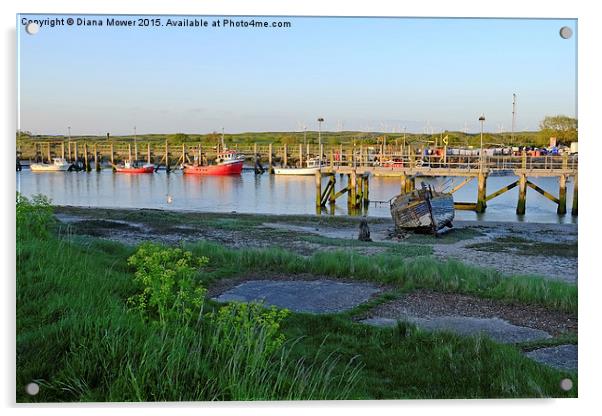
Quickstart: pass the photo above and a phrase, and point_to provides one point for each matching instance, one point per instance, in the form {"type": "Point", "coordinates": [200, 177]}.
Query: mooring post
{"type": "Point", "coordinates": [96, 164]}
{"type": "Point", "coordinates": [408, 183]}
{"type": "Point", "coordinates": [270, 165]}
{"type": "Point", "coordinates": [69, 158]}
{"type": "Point", "coordinates": [167, 167]}
{"type": "Point", "coordinates": [112, 156]}
{"type": "Point", "coordinates": [522, 194]}
{"type": "Point", "coordinates": [135, 150]}
{"type": "Point", "coordinates": [482, 192]}
{"type": "Point", "coordinates": [366, 191]}
{"type": "Point", "coordinates": [574, 210]}
{"type": "Point", "coordinates": [403, 182]}
{"type": "Point", "coordinates": [255, 157]}
{"type": "Point", "coordinates": [300, 155]}
{"type": "Point", "coordinates": [86, 159]}
{"type": "Point", "coordinates": [318, 178]}
{"type": "Point", "coordinates": [561, 195]}
{"type": "Point", "coordinates": [63, 150]}
{"type": "Point", "coordinates": [353, 187]}
{"type": "Point", "coordinates": [148, 153]}
{"type": "Point", "coordinates": [359, 193]}
{"type": "Point", "coordinates": [130, 152]}
{"type": "Point", "coordinates": [184, 153]}
{"type": "Point", "coordinates": [285, 155]}
{"type": "Point", "coordinates": [49, 158]}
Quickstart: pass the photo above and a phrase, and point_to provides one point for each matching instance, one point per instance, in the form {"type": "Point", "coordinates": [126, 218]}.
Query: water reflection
{"type": "Point", "coordinates": [271, 194]}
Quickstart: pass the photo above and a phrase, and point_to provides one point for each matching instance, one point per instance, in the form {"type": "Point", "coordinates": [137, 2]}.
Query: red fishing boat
{"type": "Point", "coordinates": [228, 162]}
{"type": "Point", "coordinates": [135, 167]}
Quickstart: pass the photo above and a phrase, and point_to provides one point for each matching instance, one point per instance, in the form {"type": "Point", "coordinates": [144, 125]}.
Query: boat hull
{"type": "Point", "coordinates": [222, 169]}
{"type": "Point", "coordinates": [42, 167]}
{"type": "Point", "coordinates": [296, 171]}
{"type": "Point", "coordinates": [413, 212]}
{"type": "Point", "coordinates": [143, 169]}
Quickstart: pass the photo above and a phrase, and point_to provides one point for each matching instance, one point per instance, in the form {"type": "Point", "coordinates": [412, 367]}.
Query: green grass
{"type": "Point", "coordinates": [409, 273]}
{"type": "Point", "coordinates": [404, 362]}
{"type": "Point", "coordinates": [406, 250]}
{"type": "Point", "coordinates": [78, 341]}
{"type": "Point", "coordinates": [77, 338]}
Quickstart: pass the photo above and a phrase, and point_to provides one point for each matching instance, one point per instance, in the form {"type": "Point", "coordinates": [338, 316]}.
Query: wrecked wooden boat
{"type": "Point", "coordinates": [422, 210]}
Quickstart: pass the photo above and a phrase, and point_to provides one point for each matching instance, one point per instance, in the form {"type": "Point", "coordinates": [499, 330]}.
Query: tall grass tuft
{"type": "Point", "coordinates": [80, 340]}
{"type": "Point", "coordinates": [413, 272]}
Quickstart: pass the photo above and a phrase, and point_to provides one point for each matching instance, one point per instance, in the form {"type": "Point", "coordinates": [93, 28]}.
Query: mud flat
{"type": "Point", "coordinates": [548, 250]}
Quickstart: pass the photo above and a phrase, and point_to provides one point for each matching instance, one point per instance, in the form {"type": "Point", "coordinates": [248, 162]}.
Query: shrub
{"type": "Point", "coordinates": [169, 290]}
{"type": "Point", "coordinates": [34, 218]}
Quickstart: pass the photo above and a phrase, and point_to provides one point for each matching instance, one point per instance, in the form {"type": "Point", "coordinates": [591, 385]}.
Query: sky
{"type": "Point", "coordinates": [366, 74]}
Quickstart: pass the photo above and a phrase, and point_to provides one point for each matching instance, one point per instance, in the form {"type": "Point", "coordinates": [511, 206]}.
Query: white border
{"type": "Point", "coordinates": [589, 229]}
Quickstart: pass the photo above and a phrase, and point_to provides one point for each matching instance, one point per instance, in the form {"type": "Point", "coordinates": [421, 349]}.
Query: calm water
{"type": "Point", "coordinates": [267, 194]}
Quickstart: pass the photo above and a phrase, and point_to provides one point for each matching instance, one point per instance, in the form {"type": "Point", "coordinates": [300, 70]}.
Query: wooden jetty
{"type": "Point", "coordinates": [359, 163]}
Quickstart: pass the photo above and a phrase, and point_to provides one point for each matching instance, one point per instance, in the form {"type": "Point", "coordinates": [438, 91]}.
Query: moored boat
{"type": "Point", "coordinates": [228, 162]}
{"type": "Point", "coordinates": [58, 165]}
{"type": "Point", "coordinates": [422, 210]}
{"type": "Point", "coordinates": [313, 166]}
{"type": "Point", "coordinates": [134, 167]}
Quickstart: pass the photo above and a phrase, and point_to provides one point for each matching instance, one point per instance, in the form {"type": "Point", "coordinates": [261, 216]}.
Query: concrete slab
{"type": "Point", "coordinates": [561, 357]}
{"type": "Point", "coordinates": [313, 296]}
{"type": "Point", "coordinates": [497, 329]}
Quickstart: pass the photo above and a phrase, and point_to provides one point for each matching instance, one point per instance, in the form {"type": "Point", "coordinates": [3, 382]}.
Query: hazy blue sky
{"type": "Point", "coordinates": [378, 74]}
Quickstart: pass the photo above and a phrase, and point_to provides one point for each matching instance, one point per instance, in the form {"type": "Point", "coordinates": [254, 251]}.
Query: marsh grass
{"type": "Point", "coordinates": [523, 247]}
{"type": "Point", "coordinates": [408, 273]}
{"type": "Point", "coordinates": [79, 341]}
{"type": "Point", "coordinates": [406, 362]}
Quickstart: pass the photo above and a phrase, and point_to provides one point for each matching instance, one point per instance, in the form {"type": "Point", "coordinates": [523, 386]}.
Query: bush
{"type": "Point", "coordinates": [169, 290]}
{"type": "Point", "coordinates": [34, 218]}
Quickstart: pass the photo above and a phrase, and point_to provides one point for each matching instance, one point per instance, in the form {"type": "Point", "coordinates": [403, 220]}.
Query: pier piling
{"type": "Point", "coordinates": [574, 210]}
{"type": "Point", "coordinates": [522, 194]}
{"type": "Point", "coordinates": [270, 159]}
{"type": "Point", "coordinates": [112, 150]}
{"type": "Point", "coordinates": [318, 178]}
{"type": "Point", "coordinates": [167, 167]}
{"type": "Point", "coordinates": [86, 158]}
{"type": "Point", "coordinates": [561, 195]}
{"type": "Point", "coordinates": [96, 164]}
{"type": "Point", "coordinates": [482, 192]}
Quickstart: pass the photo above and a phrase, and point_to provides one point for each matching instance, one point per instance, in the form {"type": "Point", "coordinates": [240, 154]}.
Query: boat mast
{"type": "Point", "coordinates": [513, 116]}
{"type": "Point", "coordinates": [223, 144]}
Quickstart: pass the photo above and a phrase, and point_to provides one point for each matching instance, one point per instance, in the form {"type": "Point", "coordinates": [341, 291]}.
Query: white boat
{"type": "Point", "coordinates": [58, 165]}
{"type": "Point", "coordinates": [313, 166]}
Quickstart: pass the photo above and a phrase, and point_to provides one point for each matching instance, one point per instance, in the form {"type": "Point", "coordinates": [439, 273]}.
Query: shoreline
{"type": "Point", "coordinates": [539, 249]}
